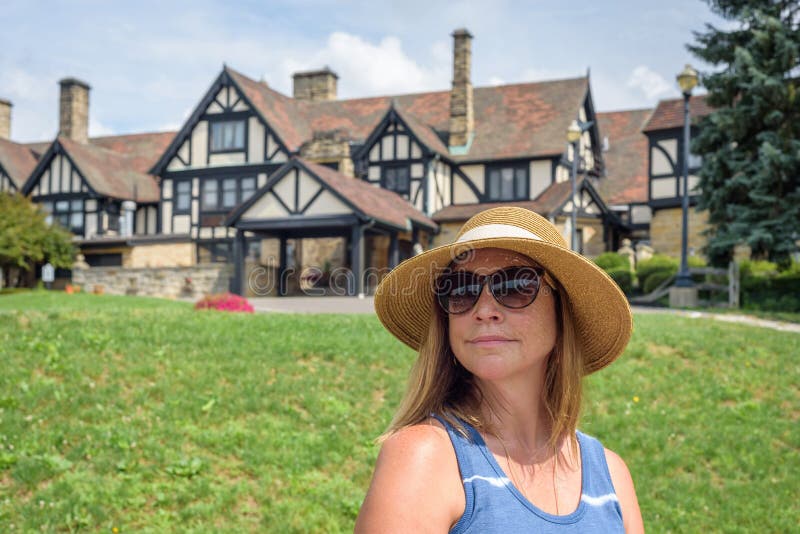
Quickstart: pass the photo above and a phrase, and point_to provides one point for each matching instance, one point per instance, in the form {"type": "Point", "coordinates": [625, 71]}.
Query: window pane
{"type": "Point", "coordinates": [76, 221]}
{"type": "Point", "coordinates": [521, 179]}
{"type": "Point", "coordinates": [494, 184]}
{"type": "Point", "coordinates": [47, 207]}
{"type": "Point", "coordinates": [63, 220]}
{"type": "Point", "coordinates": [62, 205]}
{"type": "Point", "coordinates": [210, 194]}
{"type": "Point", "coordinates": [77, 205]}
{"type": "Point", "coordinates": [390, 181]}
{"type": "Point", "coordinates": [402, 179]}
{"type": "Point", "coordinates": [228, 192]}
{"type": "Point", "coordinates": [248, 188]}
{"type": "Point", "coordinates": [183, 197]}
{"type": "Point", "coordinates": [507, 184]}
{"type": "Point", "coordinates": [239, 135]}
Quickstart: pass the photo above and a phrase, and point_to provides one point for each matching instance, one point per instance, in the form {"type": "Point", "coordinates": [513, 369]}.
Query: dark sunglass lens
{"type": "Point", "coordinates": [463, 296]}
{"type": "Point", "coordinates": [516, 288]}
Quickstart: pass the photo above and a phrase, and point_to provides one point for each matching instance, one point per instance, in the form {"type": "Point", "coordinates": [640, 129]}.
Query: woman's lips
{"type": "Point", "coordinates": [489, 341]}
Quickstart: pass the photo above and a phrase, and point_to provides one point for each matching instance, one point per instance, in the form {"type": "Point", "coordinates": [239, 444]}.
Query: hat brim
{"type": "Point", "coordinates": [405, 297]}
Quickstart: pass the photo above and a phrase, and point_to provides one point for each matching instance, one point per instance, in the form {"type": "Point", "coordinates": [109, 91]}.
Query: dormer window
{"type": "Point", "coordinates": [227, 136]}
{"type": "Point", "coordinates": [396, 178]}
{"type": "Point", "coordinates": [507, 182]}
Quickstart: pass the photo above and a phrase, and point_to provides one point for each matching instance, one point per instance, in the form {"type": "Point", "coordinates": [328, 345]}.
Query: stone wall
{"type": "Point", "coordinates": [160, 255]}
{"type": "Point", "coordinates": [171, 282]}
{"type": "Point", "coordinates": [666, 227]}
{"type": "Point", "coordinates": [330, 147]}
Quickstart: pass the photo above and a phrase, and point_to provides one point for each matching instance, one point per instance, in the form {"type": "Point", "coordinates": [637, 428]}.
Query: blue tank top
{"type": "Point", "coordinates": [494, 504]}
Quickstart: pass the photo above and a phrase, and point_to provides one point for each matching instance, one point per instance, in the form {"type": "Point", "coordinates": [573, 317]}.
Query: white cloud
{"type": "Point", "coordinates": [649, 82]}
{"type": "Point", "coordinates": [496, 80]}
{"type": "Point", "coordinates": [366, 68]}
{"type": "Point", "coordinates": [98, 129]}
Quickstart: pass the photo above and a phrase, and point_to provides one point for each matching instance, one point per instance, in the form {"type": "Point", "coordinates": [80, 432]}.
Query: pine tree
{"type": "Point", "coordinates": [750, 177]}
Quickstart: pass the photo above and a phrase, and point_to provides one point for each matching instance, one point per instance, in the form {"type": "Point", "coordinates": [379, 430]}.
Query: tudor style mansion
{"type": "Point", "coordinates": [301, 186]}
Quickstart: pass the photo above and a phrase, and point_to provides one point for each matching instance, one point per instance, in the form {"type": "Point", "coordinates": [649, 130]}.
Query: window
{"type": "Point", "coordinates": [222, 194]}
{"type": "Point", "coordinates": [214, 252]}
{"type": "Point", "coordinates": [396, 179]}
{"type": "Point", "coordinates": [228, 192]}
{"type": "Point", "coordinates": [183, 196]}
{"type": "Point", "coordinates": [248, 187]}
{"type": "Point", "coordinates": [507, 183]}
{"type": "Point", "coordinates": [227, 136]}
{"type": "Point", "coordinates": [210, 193]}
{"type": "Point", "coordinates": [68, 213]}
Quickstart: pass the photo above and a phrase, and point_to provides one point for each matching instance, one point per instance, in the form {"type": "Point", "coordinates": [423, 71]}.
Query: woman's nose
{"type": "Point", "coordinates": [487, 308]}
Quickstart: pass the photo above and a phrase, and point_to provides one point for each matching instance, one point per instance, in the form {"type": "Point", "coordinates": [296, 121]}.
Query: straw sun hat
{"type": "Point", "coordinates": [404, 299]}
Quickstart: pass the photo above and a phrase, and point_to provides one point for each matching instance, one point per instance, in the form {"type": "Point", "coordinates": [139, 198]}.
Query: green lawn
{"type": "Point", "coordinates": [145, 416]}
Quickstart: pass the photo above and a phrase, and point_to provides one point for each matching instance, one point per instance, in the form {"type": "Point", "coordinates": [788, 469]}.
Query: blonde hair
{"type": "Point", "coordinates": [439, 385]}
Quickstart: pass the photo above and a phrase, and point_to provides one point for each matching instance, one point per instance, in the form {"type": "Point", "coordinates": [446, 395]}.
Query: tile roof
{"type": "Point", "coordinates": [545, 204]}
{"type": "Point", "coordinates": [143, 150]}
{"type": "Point", "coordinates": [374, 201]}
{"type": "Point", "coordinates": [284, 115]}
{"type": "Point", "coordinates": [112, 173]}
{"type": "Point", "coordinates": [626, 158]}
{"type": "Point", "coordinates": [511, 121]}
{"type": "Point", "coordinates": [669, 113]}
{"type": "Point", "coordinates": [18, 161]}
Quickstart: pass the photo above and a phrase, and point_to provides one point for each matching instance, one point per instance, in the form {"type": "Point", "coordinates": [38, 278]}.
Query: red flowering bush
{"type": "Point", "coordinates": [224, 302]}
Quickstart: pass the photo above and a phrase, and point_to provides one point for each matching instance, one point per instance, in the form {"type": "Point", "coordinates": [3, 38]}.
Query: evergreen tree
{"type": "Point", "coordinates": [750, 177]}
{"type": "Point", "coordinates": [27, 240]}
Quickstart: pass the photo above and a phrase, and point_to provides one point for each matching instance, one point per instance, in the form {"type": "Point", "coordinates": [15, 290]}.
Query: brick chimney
{"type": "Point", "coordinates": [5, 119]}
{"type": "Point", "coordinates": [462, 121]}
{"type": "Point", "coordinates": [74, 110]}
{"type": "Point", "coordinates": [315, 86]}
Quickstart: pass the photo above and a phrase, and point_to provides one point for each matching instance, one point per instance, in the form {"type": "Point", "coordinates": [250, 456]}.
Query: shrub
{"type": "Point", "coordinates": [779, 292]}
{"type": "Point", "coordinates": [224, 302]}
{"type": "Point", "coordinates": [659, 263]}
{"type": "Point", "coordinates": [624, 279]}
{"type": "Point", "coordinates": [612, 260]}
{"type": "Point", "coordinates": [759, 268]}
{"type": "Point", "coordinates": [654, 280]}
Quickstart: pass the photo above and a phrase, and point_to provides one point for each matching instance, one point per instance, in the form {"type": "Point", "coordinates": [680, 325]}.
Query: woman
{"type": "Point", "coordinates": [507, 321]}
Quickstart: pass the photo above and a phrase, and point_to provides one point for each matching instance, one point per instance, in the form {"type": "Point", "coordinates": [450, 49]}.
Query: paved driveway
{"type": "Point", "coordinates": [313, 304]}
{"type": "Point", "coordinates": [365, 305]}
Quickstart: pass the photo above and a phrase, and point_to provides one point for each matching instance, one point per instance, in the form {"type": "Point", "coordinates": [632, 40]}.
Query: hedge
{"type": "Point", "coordinates": [624, 279]}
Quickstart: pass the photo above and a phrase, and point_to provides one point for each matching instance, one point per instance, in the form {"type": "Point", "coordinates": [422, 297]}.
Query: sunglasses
{"type": "Point", "coordinates": [514, 287]}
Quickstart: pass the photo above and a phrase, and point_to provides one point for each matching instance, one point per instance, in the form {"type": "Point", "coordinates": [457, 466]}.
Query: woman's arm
{"type": "Point", "coordinates": [623, 485]}
{"type": "Point", "coordinates": [416, 485]}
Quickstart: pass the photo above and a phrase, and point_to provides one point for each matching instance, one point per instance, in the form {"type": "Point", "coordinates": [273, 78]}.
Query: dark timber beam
{"type": "Point", "coordinates": [282, 267]}
{"type": "Point", "coordinates": [394, 251]}
{"type": "Point", "coordinates": [357, 261]}
{"type": "Point", "coordinates": [239, 251]}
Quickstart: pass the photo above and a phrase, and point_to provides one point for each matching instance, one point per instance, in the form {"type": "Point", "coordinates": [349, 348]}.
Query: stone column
{"type": "Point", "coordinates": [282, 267]}
{"type": "Point", "coordinates": [5, 119]}
{"type": "Point", "coordinates": [462, 122]}
{"type": "Point", "coordinates": [239, 251]}
{"type": "Point", "coordinates": [74, 110]}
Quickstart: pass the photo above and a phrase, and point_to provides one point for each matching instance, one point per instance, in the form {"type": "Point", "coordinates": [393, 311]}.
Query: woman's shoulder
{"type": "Point", "coordinates": [419, 445]}
{"type": "Point", "coordinates": [416, 479]}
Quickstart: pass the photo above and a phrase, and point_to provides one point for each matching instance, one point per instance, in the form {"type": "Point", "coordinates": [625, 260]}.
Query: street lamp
{"type": "Point", "coordinates": [574, 133]}
{"type": "Point", "coordinates": [687, 80]}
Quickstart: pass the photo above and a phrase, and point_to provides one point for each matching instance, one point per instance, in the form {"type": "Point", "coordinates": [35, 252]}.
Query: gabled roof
{"type": "Point", "coordinates": [366, 200]}
{"type": "Point", "coordinates": [375, 202]}
{"type": "Point", "coordinates": [511, 121]}
{"type": "Point", "coordinates": [143, 150]}
{"type": "Point", "coordinates": [669, 113]}
{"type": "Point", "coordinates": [107, 172]}
{"type": "Point", "coordinates": [283, 114]}
{"type": "Point", "coordinates": [626, 159]}
{"type": "Point", "coordinates": [17, 160]}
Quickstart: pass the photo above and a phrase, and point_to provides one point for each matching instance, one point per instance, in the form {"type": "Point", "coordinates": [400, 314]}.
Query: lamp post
{"type": "Point", "coordinates": [574, 133]}
{"type": "Point", "coordinates": [687, 80]}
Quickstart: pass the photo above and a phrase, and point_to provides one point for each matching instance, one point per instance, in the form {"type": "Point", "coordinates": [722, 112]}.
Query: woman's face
{"type": "Point", "coordinates": [494, 342]}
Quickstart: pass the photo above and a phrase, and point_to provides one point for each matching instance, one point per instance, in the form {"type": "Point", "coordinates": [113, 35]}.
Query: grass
{"type": "Point", "coordinates": [143, 415]}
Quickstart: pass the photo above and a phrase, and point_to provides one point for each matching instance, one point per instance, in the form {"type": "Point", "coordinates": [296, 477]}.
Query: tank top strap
{"type": "Point", "coordinates": [597, 485]}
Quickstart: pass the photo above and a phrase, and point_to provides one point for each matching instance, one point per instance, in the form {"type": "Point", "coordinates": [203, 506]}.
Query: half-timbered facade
{"type": "Point", "coordinates": [262, 180]}
{"type": "Point", "coordinates": [664, 131]}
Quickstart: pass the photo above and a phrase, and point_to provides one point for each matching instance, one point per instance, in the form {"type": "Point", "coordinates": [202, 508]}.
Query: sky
{"type": "Point", "coordinates": [150, 62]}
